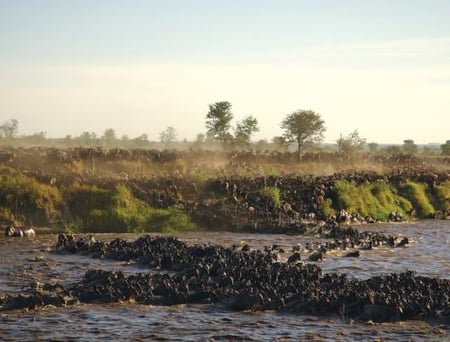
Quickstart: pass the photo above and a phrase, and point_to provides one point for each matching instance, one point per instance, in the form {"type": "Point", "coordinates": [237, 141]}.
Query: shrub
{"type": "Point", "coordinates": [119, 211]}
{"type": "Point", "coordinates": [443, 196]}
{"type": "Point", "coordinates": [416, 193]}
{"type": "Point", "coordinates": [272, 194]}
{"type": "Point", "coordinates": [376, 199]}
{"type": "Point", "coordinates": [327, 208]}
{"type": "Point", "coordinates": [25, 199]}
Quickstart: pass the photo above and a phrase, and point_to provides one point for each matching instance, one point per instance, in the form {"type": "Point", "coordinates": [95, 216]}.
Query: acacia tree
{"type": "Point", "coordinates": [445, 148]}
{"type": "Point", "coordinates": [168, 136]}
{"type": "Point", "coordinates": [109, 137]}
{"type": "Point", "coordinates": [218, 121]}
{"type": "Point", "coordinates": [409, 146]}
{"type": "Point", "coordinates": [351, 144]}
{"type": "Point", "coordinates": [9, 129]}
{"type": "Point", "coordinates": [244, 131]}
{"type": "Point", "coordinates": [303, 126]}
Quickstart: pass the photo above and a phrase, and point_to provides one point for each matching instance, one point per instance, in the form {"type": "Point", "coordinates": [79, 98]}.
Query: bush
{"type": "Point", "coordinates": [443, 196]}
{"type": "Point", "coordinates": [327, 208]}
{"type": "Point", "coordinates": [377, 199]}
{"type": "Point", "coordinates": [272, 194]}
{"type": "Point", "coordinates": [28, 201]}
{"type": "Point", "coordinates": [416, 193]}
{"type": "Point", "coordinates": [119, 211]}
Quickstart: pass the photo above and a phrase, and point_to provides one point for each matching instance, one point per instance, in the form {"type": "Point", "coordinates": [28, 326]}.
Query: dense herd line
{"type": "Point", "coordinates": [242, 278]}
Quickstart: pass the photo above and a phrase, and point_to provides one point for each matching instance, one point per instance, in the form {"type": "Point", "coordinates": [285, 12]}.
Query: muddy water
{"type": "Point", "coordinates": [25, 263]}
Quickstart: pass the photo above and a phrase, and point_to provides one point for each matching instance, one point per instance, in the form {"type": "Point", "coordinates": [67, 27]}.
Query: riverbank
{"type": "Point", "coordinates": [91, 190]}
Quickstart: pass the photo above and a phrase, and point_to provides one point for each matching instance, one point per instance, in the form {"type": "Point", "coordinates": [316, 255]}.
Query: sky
{"type": "Point", "coordinates": [139, 66]}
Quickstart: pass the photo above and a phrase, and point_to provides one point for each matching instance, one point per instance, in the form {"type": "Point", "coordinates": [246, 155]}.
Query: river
{"type": "Point", "coordinates": [24, 263]}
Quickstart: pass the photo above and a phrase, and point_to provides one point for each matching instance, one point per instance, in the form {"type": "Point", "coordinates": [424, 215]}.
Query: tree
{"type": "Point", "coordinates": [168, 136]}
{"type": "Point", "coordinates": [303, 126]}
{"type": "Point", "coordinates": [140, 141]}
{"type": "Point", "coordinates": [218, 122]}
{"type": "Point", "coordinates": [198, 142]}
{"type": "Point", "coordinates": [280, 144]}
{"type": "Point", "coordinates": [87, 138]}
{"type": "Point", "coordinates": [244, 131]}
{"type": "Point", "coordinates": [409, 146]}
{"type": "Point", "coordinates": [109, 137]}
{"type": "Point", "coordinates": [9, 129]}
{"type": "Point", "coordinates": [392, 149]}
{"type": "Point", "coordinates": [351, 144]}
{"type": "Point", "coordinates": [373, 147]}
{"type": "Point", "coordinates": [445, 148]}
{"type": "Point", "coordinates": [37, 138]}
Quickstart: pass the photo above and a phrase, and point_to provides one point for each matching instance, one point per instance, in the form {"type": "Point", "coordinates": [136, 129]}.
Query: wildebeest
{"type": "Point", "coordinates": [12, 231]}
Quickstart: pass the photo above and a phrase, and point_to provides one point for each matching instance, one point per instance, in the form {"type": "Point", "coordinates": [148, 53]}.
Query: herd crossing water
{"type": "Point", "coordinates": [30, 264]}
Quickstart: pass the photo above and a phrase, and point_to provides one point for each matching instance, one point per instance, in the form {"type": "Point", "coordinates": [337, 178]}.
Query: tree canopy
{"type": "Point", "coordinates": [303, 126]}
{"type": "Point", "coordinates": [9, 129]}
{"type": "Point", "coordinates": [218, 121]}
{"type": "Point", "coordinates": [168, 136]}
{"type": "Point", "coordinates": [351, 143]}
{"type": "Point", "coordinates": [244, 131]}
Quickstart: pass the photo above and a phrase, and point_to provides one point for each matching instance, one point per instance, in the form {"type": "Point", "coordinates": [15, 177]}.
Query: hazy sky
{"type": "Point", "coordinates": [380, 66]}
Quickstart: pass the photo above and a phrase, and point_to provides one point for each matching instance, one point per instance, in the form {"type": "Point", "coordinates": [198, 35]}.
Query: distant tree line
{"type": "Point", "coordinates": [303, 130]}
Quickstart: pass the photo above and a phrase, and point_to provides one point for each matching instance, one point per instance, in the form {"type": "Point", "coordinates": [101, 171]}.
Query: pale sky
{"type": "Point", "coordinates": [380, 67]}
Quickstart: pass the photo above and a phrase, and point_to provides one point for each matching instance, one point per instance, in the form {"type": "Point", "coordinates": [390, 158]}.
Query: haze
{"type": "Point", "coordinates": [381, 67]}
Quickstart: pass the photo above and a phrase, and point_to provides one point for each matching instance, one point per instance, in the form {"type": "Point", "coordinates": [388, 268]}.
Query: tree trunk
{"type": "Point", "coordinates": [299, 151]}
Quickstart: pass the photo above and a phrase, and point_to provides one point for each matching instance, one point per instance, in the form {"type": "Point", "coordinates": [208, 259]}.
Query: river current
{"type": "Point", "coordinates": [25, 263]}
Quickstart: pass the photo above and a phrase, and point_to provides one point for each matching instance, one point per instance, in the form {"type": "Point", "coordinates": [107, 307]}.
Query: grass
{"type": "Point", "coordinates": [26, 201]}
{"type": "Point", "coordinates": [442, 193]}
{"type": "Point", "coordinates": [377, 199]}
{"type": "Point", "coordinates": [118, 211]}
{"type": "Point", "coordinates": [272, 194]}
{"type": "Point", "coordinates": [108, 208]}
{"type": "Point", "coordinates": [418, 195]}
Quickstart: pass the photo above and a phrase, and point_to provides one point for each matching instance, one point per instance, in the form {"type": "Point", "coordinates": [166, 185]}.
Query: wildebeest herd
{"type": "Point", "coordinates": [242, 278]}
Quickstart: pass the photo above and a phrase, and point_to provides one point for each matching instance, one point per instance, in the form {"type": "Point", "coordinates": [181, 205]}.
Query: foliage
{"type": "Point", "coordinates": [416, 193]}
{"type": "Point", "coordinates": [326, 208]}
{"type": "Point", "coordinates": [109, 137]}
{"type": "Point", "coordinates": [351, 144]}
{"type": "Point", "coordinates": [445, 148]}
{"type": "Point", "coordinates": [280, 143]}
{"type": "Point", "coordinates": [273, 195]}
{"type": "Point", "coordinates": [409, 146]}
{"type": "Point", "coordinates": [443, 196]}
{"type": "Point", "coordinates": [9, 129]}
{"type": "Point", "coordinates": [118, 211]}
{"type": "Point", "coordinates": [218, 121]}
{"type": "Point", "coordinates": [244, 131]}
{"type": "Point", "coordinates": [168, 136]}
{"type": "Point", "coordinates": [377, 199]}
{"type": "Point", "coordinates": [26, 200]}
{"type": "Point", "coordinates": [373, 147]}
{"type": "Point", "coordinates": [303, 126]}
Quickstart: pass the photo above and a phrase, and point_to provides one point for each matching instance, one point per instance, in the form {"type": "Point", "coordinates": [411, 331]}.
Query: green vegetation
{"type": "Point", "coordinates": [380, 198]}
{"type": "Point", "coordinates": [377, 200]}
{"type": "Point", "coordinates": [327, 208]}
{"type": "Point", "coordinates": [118, 211]}
{"type": "Point", "coordinates": [419, 196]}
{"type": "Point", "coordinates": [302, 127]}
{"type": "Point", "coordinates": [138, 191]}
{"type": "Point", "coordinates": [442, 201]}
{"type": "Point", "coordinates": [272, 194]}
{"type": "Point", "coordinates": [24, 199]}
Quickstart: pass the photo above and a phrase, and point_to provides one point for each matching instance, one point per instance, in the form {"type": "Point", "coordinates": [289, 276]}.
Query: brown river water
{"type": "Point", "coordinates": [26, 262]}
